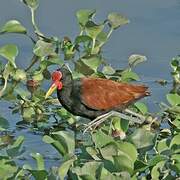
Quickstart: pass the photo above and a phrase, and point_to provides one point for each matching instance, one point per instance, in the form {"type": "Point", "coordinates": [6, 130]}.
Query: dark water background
{"type": "Point", "coordinates": [154, 31]}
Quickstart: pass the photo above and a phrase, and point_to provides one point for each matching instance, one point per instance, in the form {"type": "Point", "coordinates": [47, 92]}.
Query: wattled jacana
{"type": "Point", "coordinates": [95, 98]}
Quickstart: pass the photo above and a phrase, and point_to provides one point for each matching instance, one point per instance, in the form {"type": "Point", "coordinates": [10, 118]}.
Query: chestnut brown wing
{"type": "Point", "coordinates": [103, 94]}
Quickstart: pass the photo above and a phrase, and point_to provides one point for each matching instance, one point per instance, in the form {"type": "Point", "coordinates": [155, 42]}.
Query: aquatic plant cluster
{"type": "Point", "coordinates": [118, 149]}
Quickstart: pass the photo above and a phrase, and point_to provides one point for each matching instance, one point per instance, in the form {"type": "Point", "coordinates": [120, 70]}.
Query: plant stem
{"type": "Point", "coordinates": [109, 33]}
{"type": "Point", "coordinates": [34, 60]}
{"type": "Point", "coordinates": [36, 29]}
{"type": "Point", "coordinates": [31, 38]}
{"type": "Point", "coordinates": [4, 87]}
{"type": "Point", "coordinates": [93, 44]}
{"type": "Point", "coordinates": [108, 36]}
{"type": "Point", "coordinates": [81, 31]}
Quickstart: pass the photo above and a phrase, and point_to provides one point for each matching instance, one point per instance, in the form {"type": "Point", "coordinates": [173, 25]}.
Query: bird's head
{"type": "Point", "coordinates": [57, 84]}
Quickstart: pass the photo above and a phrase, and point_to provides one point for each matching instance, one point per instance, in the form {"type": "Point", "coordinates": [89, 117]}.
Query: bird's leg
{"type": "Point", "coordinates": [140, 120]}
{"type": "Point", "coordinates": [98, 118]}
{"type": "Point", "coordinates": [103, 117]}
{"type": "Point", "coordinates": [143, 118]}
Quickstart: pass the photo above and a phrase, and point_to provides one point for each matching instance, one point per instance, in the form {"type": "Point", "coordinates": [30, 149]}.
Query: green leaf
{"type": "Point", "coordinates": [9, 52]}
{"type": "Point", "coordinates": [46, 74]}
{"type": "Point", "coordinates": [173, 99]}
{"type": "Point", "coordinates": [175, 167]}
{"type": "Point", "coordinates": [140, 166]}
{"type": "Point", "coordinates": [109, 150]}
{"type": "Point", "coordinates": [156, 159]}
{"type": "Point", "coordinates": [14, 150]}
{"type": "Point", "coordinates": [128, 149]}
{"type": "Point", "coordinates": [64, 114]}
{"type": "Point", "coordinates": [136, 59]}
{"type": "Point", "coordinates": [5, 140]}
{"type": "Point", "coordinates": [67, 139]}
{"type": "Point", "coordinates": [120, 148]}
{"type": "Point", "coordinates": [116, 20]}
{"type": "Point", "coordinates": [175, 62]}
{"type": "Point", "coordinates": [105, 174]}
{"type": "Point", "coordinates": [120, 124]}
{"type": "Point", "coordinates": [77, 75]}
{"type": "Point", "coordinates": [7, 169]}
{"type": "Point", "coordinates": [20, 75]}
{"type": "Point", "coordinates": [175, 140]}
{"type": "Point", "coordinates": [22, 93]}
{"type": "Point", "coordinates": [38, 76]}
{"type": "Point", "coordinates": [28, 112]}
{"type": "Point", "coordinates": [142, 138]}
{"type": "Point", "coordinates": [92, 62]}
{"type": "Point", "coordinates": [68, 48]}
{"type": "Point", "coordinates": [56, 61]}
{"type": "Point", "coordinates": [176, 157]}
{"type": "Point", "coordinates": [61, 148]}
{"type": "Point", "coordinates": [9, 69]}
{"type": "Point", "coordinates": [162, 146]}
{"type": "Point", "coordinates": [88, 66]}
{"type": "Point", "coordinates": [141, 107]}
{"type": "Point", "coordinates": [82, 68]}
{"type": "Point", "coordinates": [83, 39]}
{"type": "Point", "coordinates": [176, 122]}
{"type": "Point", "coordinates": [4, 124]}
{"type": "Point", "coordinates": [124, 175]}
{"type": "Point", "coordinates": [93, 29]}
{"type": "Point", "coordinates": [84, 15]}
{"type": "Point", "coordinates": [108, 70]}
{"type": "Point", "coordinates": [48, 139]}
{"type": "Point", "coordinates": [51, 61]}
{"type": "Point", "coordinates": [43, 49]}
{"type": "Point", "coordinates": [39, 174]}
{"type": "Point", "coordinates": [129, 75]}
{"type": "Point", "coordinates": [40, 161]}
{"type": "Point", "coordinates": [63, 169]}
{"type": "Point", "coordinates": [33, 4]}
{"type": "Point", "coordinates": [1, 67]}
{"type": "Point", "coordinates": [93, 153]}
{"type": "Point", "coordinates": [13, 26]}
{"type": "Point", "coordinates": [155, 172]}
{"type": "Point", "coordinates": [89, 168]}
{"type": "Point", "coordinates": [102, 38]}
{"type": "Point", "coordinates": [101, 139]}
{"type": "Point", "coordinates": [123, 163]}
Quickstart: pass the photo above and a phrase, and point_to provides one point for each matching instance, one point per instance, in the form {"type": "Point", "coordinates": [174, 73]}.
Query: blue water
{"type": "Point", "coordinates": [153, 31]}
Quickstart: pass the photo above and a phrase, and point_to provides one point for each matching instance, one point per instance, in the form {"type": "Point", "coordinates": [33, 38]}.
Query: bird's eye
{"type": "Point", "coordinates": [56, 76]}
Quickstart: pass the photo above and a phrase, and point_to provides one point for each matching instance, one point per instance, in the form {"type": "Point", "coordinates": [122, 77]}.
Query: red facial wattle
{"type": "Point", "coordinates": [58, 85]}
{"type": "Point", "coordinates": [56, 77]}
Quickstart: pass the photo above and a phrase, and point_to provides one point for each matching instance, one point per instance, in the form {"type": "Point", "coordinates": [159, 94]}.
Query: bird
{"type": "Point", "coordinates": [92, 97]}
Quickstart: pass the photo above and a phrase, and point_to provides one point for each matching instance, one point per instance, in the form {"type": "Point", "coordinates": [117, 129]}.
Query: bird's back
{"type": "Point", "coordinates": [103, 94]}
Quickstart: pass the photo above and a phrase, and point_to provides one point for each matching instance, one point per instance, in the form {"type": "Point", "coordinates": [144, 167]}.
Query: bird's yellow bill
{"type": "Point", "coordinates": [51, 90]}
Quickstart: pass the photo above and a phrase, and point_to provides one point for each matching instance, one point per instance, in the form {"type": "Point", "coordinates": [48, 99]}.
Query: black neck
{"type": "Point", "coordinates": [64, 95]}
{"type": "Point", "coordinates": [66, 76]}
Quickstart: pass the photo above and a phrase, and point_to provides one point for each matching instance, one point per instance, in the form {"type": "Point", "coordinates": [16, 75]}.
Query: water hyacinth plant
{"type": "Point", "coordinates": [118, 149]}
